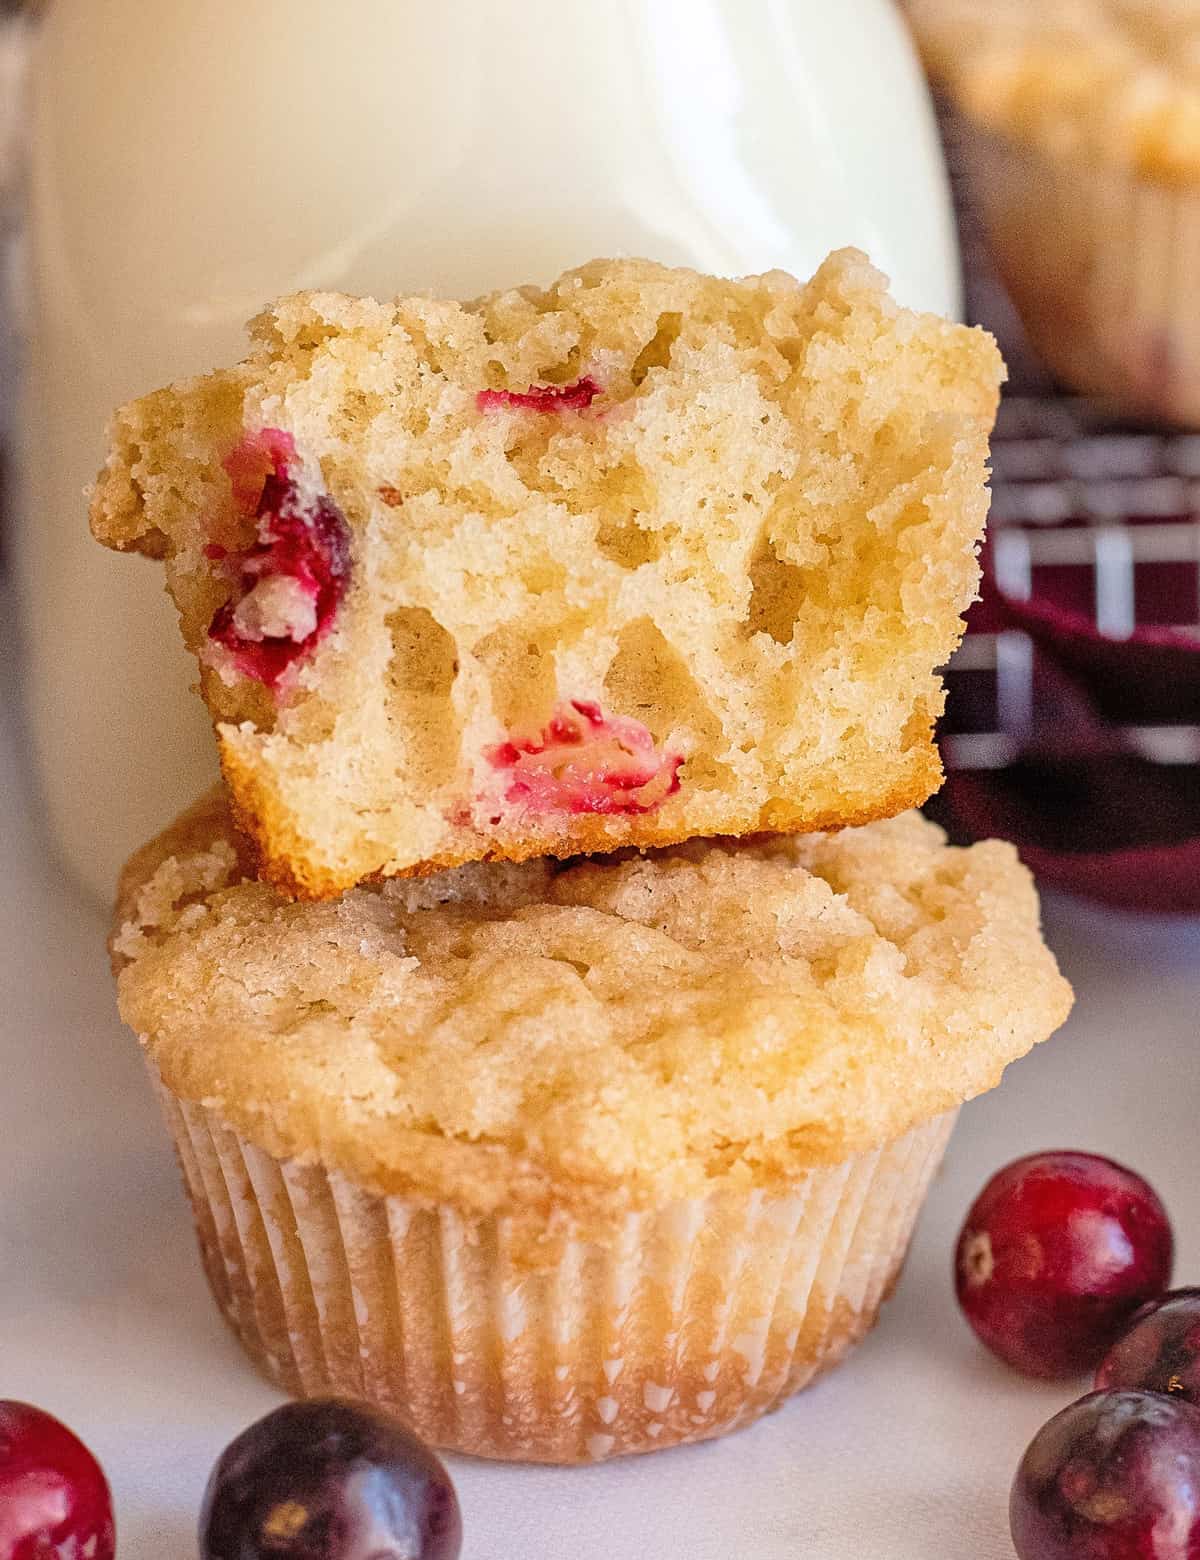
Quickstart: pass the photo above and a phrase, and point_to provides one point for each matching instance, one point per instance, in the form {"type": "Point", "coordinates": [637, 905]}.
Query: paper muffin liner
{"type": "Point", "coordinates": [1103, 267]}
{"type": "Point", "coordinates": [698, 1317]}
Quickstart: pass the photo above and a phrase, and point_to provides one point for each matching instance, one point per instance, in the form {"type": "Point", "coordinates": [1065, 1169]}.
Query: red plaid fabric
{"type": "Point", "coordinates": [1073, 715]}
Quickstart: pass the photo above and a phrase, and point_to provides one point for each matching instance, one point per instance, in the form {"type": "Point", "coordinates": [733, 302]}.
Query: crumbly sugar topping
{"type": "Point", "coordinates": [539, 1035]}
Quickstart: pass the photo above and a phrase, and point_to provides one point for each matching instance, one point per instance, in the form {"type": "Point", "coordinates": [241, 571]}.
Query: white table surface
{"type": "Point", "coordinates": [904, 1454]}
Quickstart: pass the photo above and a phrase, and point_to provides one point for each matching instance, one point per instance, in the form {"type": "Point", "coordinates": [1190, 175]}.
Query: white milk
{"type": "Point", "coordinates": [192, 159]}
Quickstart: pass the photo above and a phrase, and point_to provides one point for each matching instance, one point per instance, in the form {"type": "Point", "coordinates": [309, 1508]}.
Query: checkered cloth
{"type": "Point", "coordinates": [1073, 718]}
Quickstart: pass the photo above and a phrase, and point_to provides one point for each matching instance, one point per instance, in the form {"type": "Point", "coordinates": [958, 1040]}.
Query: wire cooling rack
{"type": "Point", "coordinates": [1100, 514]}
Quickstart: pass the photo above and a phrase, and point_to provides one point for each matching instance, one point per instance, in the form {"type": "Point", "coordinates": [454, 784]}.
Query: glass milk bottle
{"type": "Point", "coordinates": [191, 160]}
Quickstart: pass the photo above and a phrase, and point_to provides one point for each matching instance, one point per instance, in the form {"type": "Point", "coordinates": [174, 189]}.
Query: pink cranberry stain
{"type": "Point", "coordinates": [584, 761]}
{"type": "Point", "coordinates": [252, 461]}
{"type": "Point", "coordinates": [288, 586]}
{"type": "Point", "coordinates": [575, 397]}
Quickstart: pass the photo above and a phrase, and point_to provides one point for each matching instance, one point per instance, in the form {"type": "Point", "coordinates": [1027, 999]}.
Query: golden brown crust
{"type": "Point", "coordinates": [582, 1039]}
{"type": "Point", "coordinates": [293, 871]}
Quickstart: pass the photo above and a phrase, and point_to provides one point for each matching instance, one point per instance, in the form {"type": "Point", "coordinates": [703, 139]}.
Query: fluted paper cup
{"type": "Point", "coordinates": [694, 1319]}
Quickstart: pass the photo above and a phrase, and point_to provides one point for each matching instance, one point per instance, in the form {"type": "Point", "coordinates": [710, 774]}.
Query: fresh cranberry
{"type": "Point", "coordinates": [287, 587]}
{"type": "Point", "coordinates": [1058, 1251]}
{"type": "Point", "coordinates": [1160, 1349]}
{"type": "Point", "coordinates": [584, 761]}
{"type": "Point", "coordinates": [576, 397]}
{"type": "Point", "coordinates": [329, 1480]}
{"type": "Point", "coordinates": [54, 1499]}
{"type": "Point", "coordinates": [1114, 1477]}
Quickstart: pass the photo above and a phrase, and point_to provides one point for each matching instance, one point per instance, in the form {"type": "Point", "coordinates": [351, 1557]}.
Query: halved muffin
{"type": "Point", "coordinates": [643, 556]}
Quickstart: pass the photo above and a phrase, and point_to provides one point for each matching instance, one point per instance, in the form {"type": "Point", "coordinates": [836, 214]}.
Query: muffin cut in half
{"type": "Point", "coordinates": [643, 556]}
{"type": "Point", "coordinates": [560, 1162]}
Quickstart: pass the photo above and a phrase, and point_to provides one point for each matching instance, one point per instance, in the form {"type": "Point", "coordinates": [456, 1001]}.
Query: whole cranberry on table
{"type": "Point", "coordinates": [1114, 1477]}
{"type": "Point", "coordinates": [329, 1480]}
{"type": "Point", "coordinates": [1160, 1349]}
{"type": "Point", "coordinates": [54, 1498]}
{"type": "Point", "coordinates": [1057, 1253]}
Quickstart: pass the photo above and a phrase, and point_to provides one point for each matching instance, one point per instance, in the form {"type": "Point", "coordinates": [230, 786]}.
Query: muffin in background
{"type": "Point", "coordinates": [1083, 150]}
{"type": "Point", "coordinates": [560, 1162]}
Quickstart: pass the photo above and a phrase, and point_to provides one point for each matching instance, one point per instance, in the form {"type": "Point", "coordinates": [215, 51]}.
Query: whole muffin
{"type": "Point", "coordinates": [1085, 158]}
{"type": "Point", "coordinates": [565, 1161]}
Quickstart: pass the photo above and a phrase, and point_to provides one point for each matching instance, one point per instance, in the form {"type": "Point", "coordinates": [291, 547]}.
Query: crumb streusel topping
{"type": "Point", "coordinates": [539, 1036]}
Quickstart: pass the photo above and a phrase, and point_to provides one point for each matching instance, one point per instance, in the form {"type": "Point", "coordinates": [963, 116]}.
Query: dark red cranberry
{"type": "Point", "coordinates": [1114, 1477]}
{"type": "Point", "coordinates": [329, 1480]}
{"type": "Point", "coordinates": [1057, 1253]}
{"type": "Point", "coordinates": [1160, 1349]}
{"type": "Point", "coordinates": [287, 587]}
{"type": "Point", "coordinates": [576, 397]}
{"type": "Point", "coordinates": [54, 1499]}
